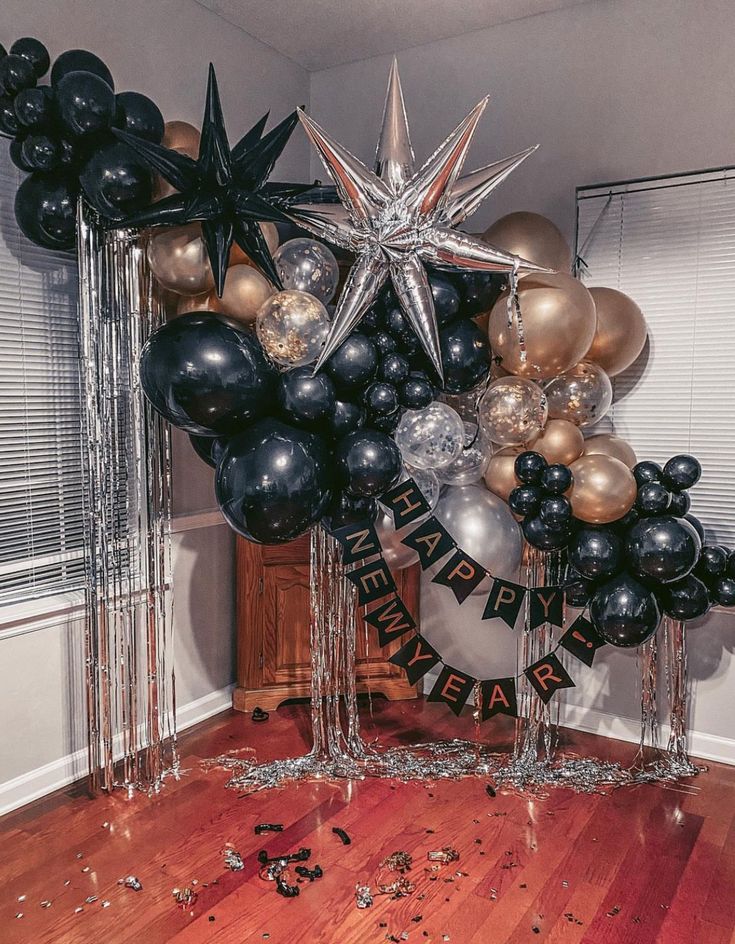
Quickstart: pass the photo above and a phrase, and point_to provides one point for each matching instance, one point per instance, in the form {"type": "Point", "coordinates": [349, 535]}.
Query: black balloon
{"type": "Point", "coordinates": [15, 152]}
{"type": "Point", "coordinates": [647, 472]}
{"type": "Point", "coordinates": [712, 562]}
{"type": "Point", "coordinates": [653, 498]}
{"type": "Point", "coordinates": [381, 399]}
{"type": "Point", "coordinates": [45, 208]}
{"type": "Point", "coordinates": [207, 375]}
{"type": "Point", "coordinates": [138, 115]}
{"type": "Point", "coordinates": [555, 511]}
{"type": "Point", "coordinates": [624, 612]}
{"type": "Point", "coordinates": [345, 509]}
{"type": "Point", "coordinates": [386, 424]}
{"type": "Point", "coordinates": [685, 599]}
{"type": "Point", "coordinates": [577, 590]}
{"type": "Point", "coordinates": [16, 73]}
{"type": "Point", "coordinates": [478, 291]}
{"type": "Point", "coordinates": [384, 342]}
{"type": "Point", "coordinates": [525, 500]}
{"type": "Point", "coordinates": [556, 478]}
{"type": "Point", "coordinates": [596, 553]}
{"type": "Point", "coordinates": [274, 481]}
{"type": "Point", "coordinates": [397, 324]}
{"type": "Point", "coordinates": [372, 319]}
{"type": "Point", "coordinates": [35, 52]}
{"type": "Point", "coordinates": [34, 108]}
{"type": "Point", "coordinates": [529, 467]}
{"type": "Point", "coordinates": [465, 354]}
{"type": "Point", "coordinates": [730, 570]}
{"type": "Point", "coordinates": [80, 60]}
{"type": "Point", "coordinates": [415, 393]}
{"type": "Point", "coordinates": [697, 525]}
{"type": "Point", "coordinates": [662, 549]}
{"type": "Point", "coordinates": [85, 103]}
{"type": "Point", "coordinates": [446, 299]}
{"type": "Point", "coordinates": [724, 591]}
{"type": "Point", "coordinates": [354, 363]}
{"type": "Point", "coordinates": [627, 521]}
{"type": "Point", "coordinates": [368, 461]}
{"type": "Point", "coordinates": [681, 472]}
{"type": "Point", "coordinates": [210, 449]}
{"type": "Point", "coordinates": [8, 119]}
{"type": "Point", "coordinates": [546, 538]}
{"type": "Point", "coordinates": [41, 152]}
{"type": "Point", "coordinates": [679, 504]}
{"type": "Point", "coordinates": [306, 400]}
{"type": "Point", "coordinates": [393, 369]}
{"type": "Point", "coordinates": [346, 418]}
{"type": "Point", "coordinates": [116, 181]}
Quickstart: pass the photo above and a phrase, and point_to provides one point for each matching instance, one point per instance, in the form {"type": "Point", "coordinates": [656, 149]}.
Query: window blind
{"type": "Point", "coordinates": [669, 243]}
{"type": "Point", "coordinates": [41, 524]}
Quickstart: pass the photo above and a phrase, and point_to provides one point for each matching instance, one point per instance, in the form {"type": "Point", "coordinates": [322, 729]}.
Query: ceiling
{"type": "Point", "coordinates": [318, 34]}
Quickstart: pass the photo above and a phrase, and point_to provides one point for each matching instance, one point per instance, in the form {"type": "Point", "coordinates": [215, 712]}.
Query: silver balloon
{"type": "Point", "coordinates": [512, 411]}
{"type": "Point", "coordinates": [483, 526]}
{"type": "Point", "coordinates": [582, 395]}
{"type": "Point", "coordinates": [397, 555]}
{"type": "Point", "coordinates": [397, 219]}
{"type": "Point", "coordinates": [430, 438]}
{"type": "Point", "coordinates": [470, 464]}
{"type": "Point", "coordinates": [292, 327]}
{"type": "Point", "coordinates": [308, 266]}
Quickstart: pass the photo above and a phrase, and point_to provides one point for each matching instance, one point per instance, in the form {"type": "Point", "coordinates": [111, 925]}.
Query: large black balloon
{"type": "Point", "coordinates": [345, 509]}
{"type": "Point", "coordinates": [208, 449]}
{"type": "Point", "coordinates": [16, 73]}
{"type": "Point", "coordinates": [353, 364]}
{"type": "Point", "coordinates": [306, 400]}
{"type": "Point", "coordinates": [35, 52]}
{"type": "Point", "coordinates": [465, 354]}
{"type": "Point", "coordinates": [116, 181]}
{"type": "Point", "coordinates": [681, 472]}
{"type": "Point", "coordinates": [624, 612]}
{"type": "Point", "coordinates": [596, 553]}
{"type": "Point", "coordinates": [85, 103]}
{"type": "Point", "coordinates": [45, 208]}
{"type": "Point", "coordinates": [80, 60]}
{"type": "Point", "coordinates": [685, 599]}
{"type": "Point", "coordinates": [34, 108]}
{"type": "Point", "coordinates": [346, 418]}
{"type": "Point", "coordinates": [663, 549]}
{"type": "Point", "coordinates": [138, 115]}
{"type": "Point", "coordinates": [207, 375]}
{"type": "Point", "coordinates": [446, 299]}
{"type": "Point", "coordinates": [368, 461]}
{"type": "Point", "coordinates": [274, 481]}
{"type": "Point", "coordinates": [541, 535]}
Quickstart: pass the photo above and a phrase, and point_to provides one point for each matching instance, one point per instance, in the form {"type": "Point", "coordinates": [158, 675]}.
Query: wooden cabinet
{"type": "Point", "coordinates": [273, 654]}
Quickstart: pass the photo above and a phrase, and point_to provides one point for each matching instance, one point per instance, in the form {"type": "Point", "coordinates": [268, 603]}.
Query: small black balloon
{"type": "Point", "coordinates": [372, 319]}
{"type": "Point", "coordinates": [45, 208]}
{"type": "Point", "coordinates": [396, 323]}
{"type": "Point", "coordinates": [623, 524]}
{"type": "Point", "coordinates": [415, 394]}
{"type": "Point", "coordinates": [556, 478]}
{"type": "Point", "coordinates": [207, 375]}
{"type": "Point", "coordinates": [9, 124]}
{"type": "Point", "coordinates": [209, 448]}
{"type": "Point", "coordinates": [369, 462]}
{"type": "Point", "coordinates": [540, 535]}
{"type": "Point", "coordinates": [685, 599]}
{"type": "Point", "coordinates": [478, 291]}
{"type": "Point", "coordinates": [346, 417]}
{"type": "Point", "coordinates": [653, 498]}
{"type": "Point", "coordinates": [712, 562]}
{"type": "Point", "coordinates": [41, 152]}
{"type": "Point", "coordinates": [679, 504]}
{"type": "Point", "coordinates": [446, 299]}
{"type": "Point", "coordinates": [529, 467]}
{"type": "Point", "coordinates": [305, 400]}
{"type": "Point", "coordinates": [663, 549]}
{"type": "Point", "coordinates": [386, 424]}
{"type": "Point", "coordinates": [724, 591]}
{"type": "Point", "coordinates": [345, 509]}
{"type": "Point", "coordinates": [384, 342]}
{"type": "Point", "coordinates": [525, 500]}
{"type": "Point", "coordinates": [15, 152]}
{"type": "Point", "coordinates": [624, 612]}
{"type": "Point", "coordinates": [16, 73]}
{"type": "Point", "coordinates": [697, 525]}
{"type": "Point", "coordinates": [577, 590]}
{"type": "Point", "coordinates": [465, 354]}
{"type": "Point", "coordinates": [647, 472]}
{"type": "Point", "coordinates": [381, 399]}
{"type": "Point", "coordinates": [555, 511]}
{"type": "Point", "coordinates": [393, 369]}
{"type": "Point", "coordinates": [34, 108]}
{"type": "Point", "coordinates": [80, 60]}
{"type": "Point", "coordinates": [730, 569]}
{"type": "Point", "coordinates": [138, 115]}
{"type": "Point", "coordinates": [85, 103]}
{"type": "Point", "coordinates": [596, 553]}
{"type": "Point", "coordinates": [35, 52]}
{"type": "Point", "coordinates": [354, 363]}
{"type": "Point", "coordinates": [681, 472]}
{"type": "Point", "coordinates": [116, 181]}
{"type": "Point", "coordinates": [274, 482]}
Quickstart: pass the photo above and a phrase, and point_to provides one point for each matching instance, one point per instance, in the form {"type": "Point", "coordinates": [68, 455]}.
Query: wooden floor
{"type": "Point", "coordinates": [642, 865]}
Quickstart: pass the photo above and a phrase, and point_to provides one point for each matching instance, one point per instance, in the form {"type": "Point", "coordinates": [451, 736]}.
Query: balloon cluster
{"type": "Point", "coordinates": [541, 501]}
{"type": "Point", "coordinates": [62, 137]}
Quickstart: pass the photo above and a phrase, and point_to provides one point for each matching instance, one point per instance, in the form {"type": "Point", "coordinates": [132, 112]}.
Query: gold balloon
{"type": "Point", "coordinates": [180, 135]}
{"type": "Point", "coordinates": [270, 234]}
{"type": "Point", "coordinates": [187, 303]}
{"type": "Point", "coordinates": [512, 411]}
{"type": "Point", "coordinates": [559, 320]}
{"type": "Point", "coordinates": [621, 331]}
{"type": "Point", "coordinates": [533, 237]}
{"type": "Point", "coordinates": [178, 259]}
{"type": "Point", "coordinates": [603, 490]}
{"type": "Point", "coordinates": [582, 394]}
{"type": "Point", "coordinates": [559, 441]}
{"type": "Point", "coordinates": [500, 476]}
{"type": "Point", "coordinates": [245, 291]}
{"type": "Point", "coordinates": [607, 445]}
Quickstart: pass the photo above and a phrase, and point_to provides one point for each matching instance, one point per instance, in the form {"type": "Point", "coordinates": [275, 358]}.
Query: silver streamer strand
{"type": "Point", "coordinates": [131, 703]}
{"type": "Point", "coordinates": [677, 759]}
{"type": "Point", "coordinates": [514, 310]}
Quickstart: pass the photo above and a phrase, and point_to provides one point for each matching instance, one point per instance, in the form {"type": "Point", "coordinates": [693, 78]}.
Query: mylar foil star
{"type": "Point", "coordinates": [226, 189]}
{"type": "Point", "coordinates": [396, 219]}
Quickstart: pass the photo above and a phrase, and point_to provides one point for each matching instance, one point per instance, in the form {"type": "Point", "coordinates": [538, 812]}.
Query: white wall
{"type": "Point", "coordinates": [610, 90]}
{"type": "Point", "coordinates": [162, 49]}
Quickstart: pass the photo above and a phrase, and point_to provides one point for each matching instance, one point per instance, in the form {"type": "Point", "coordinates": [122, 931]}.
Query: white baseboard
{"type": "Point", "coordinates": [60, 773]}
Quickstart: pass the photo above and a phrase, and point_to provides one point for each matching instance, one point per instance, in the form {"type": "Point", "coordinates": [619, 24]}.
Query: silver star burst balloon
{"type": "Point", "coordinates": [396, 219]}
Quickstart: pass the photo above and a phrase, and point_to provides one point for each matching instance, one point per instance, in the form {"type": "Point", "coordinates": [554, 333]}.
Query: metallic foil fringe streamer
{"type": "Point", "coordinates": [130, 688]}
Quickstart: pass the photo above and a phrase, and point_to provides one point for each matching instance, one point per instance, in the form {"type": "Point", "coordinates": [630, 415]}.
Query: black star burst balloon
{"type": "Point", "coordinates": [226, 189]}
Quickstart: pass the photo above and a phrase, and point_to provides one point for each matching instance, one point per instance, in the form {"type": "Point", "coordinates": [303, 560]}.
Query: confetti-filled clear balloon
{"type": "Point", "coordinates": [470, 464]}
{"type": "Point", "coordinates": [582, 395]}
{"type": "Point", "coordinates": [292, 328]}
{"type": "Point", "coordinates": [427, 480]}
{"type": "Point", "coordinates": [430, 438]}
{"type": "Point", "coordinates": [308, 266]}
{"type": "Point", "coordinates": [512, 411]}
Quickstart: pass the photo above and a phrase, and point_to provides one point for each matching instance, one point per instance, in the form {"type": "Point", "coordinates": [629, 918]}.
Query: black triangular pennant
{"type": "Point", "coordinates": [582, 640]}
{"type": "Point", "coordinates": [391, 619]}
{"type": "Point", "coordinates": [406, 503]}
{"type": "Point", "coordinates": [373, 581]}
{"type": "Point", "coordinates": [547, 676]}
{"type": "Point", "coordinates": [430, 540]}
{"type": "Point", "coordinates": [358, 541]}
{"type": "Point", "coordinates": [461, 574]}
{"type": "Point", "coordinates": [452, 687]}
{"type": "Point", "coordinates": [498, 697]}
{"type": "Point", "coordinates": [546, 606]}
{"type": "Point", "coordinates": [416, 657]}
{"type": "Point", "coordinates": [504, 600]}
